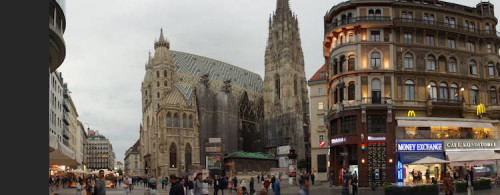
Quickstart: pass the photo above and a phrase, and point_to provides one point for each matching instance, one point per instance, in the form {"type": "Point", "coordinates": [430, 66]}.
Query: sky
{"type": "Point", "coordinates": [107, 46]}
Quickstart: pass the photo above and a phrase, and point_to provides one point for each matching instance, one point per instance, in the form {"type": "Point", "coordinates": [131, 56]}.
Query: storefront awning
{"type": "Point", "coordinates": [410, 157]}
{"type": "Point", "coordinates": [443, 123]}
{"type": "Point", "coordinates": [480, 155]}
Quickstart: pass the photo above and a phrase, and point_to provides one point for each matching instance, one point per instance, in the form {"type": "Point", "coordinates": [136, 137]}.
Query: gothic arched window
{"type": "Point", "coordinates": [176, 120]}
{"type": "Point", "coordinates": [190, 121]}
{"type": "Point", "coordinates": [173, 156]}
{"type": "Point", "coordinates": [188, 155]}
{"type": "Point", "coordinates": [169, 120]}
{"type": "Point", "coordinates": [351, 63]}
{"type": "Point", "coordinates": [277, 85]}
{"type": "Point", "coordinates": [184, 121]}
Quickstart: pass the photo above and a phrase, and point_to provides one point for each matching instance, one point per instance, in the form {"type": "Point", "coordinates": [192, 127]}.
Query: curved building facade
{"type": "Point", "coordinates": [57, 26]}
{"type": "Point", "coordinates": [386, 58]}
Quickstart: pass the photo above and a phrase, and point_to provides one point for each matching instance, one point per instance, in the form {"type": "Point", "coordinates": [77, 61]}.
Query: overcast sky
{"type": "Point", "coordinates": [108, 42]}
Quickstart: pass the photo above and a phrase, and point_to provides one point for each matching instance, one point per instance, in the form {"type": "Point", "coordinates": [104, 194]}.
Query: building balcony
{"type": "Point", "coordinates": [358, 21]}
{"type": "Point", "coordinates": [427, 24]}
{"type": "Point", "coordinates": [66, 105]}
{"type": "Point", "coordinates": [66, 118]}
{"type": "Point", "coordinates": [66, 133]}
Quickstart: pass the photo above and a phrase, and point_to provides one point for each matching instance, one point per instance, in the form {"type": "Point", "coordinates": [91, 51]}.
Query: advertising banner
{"type": "Point", "coordinates": [283, 150]}
{"type": "Point", "coordinates": [213, 162]}
{"type": "Point", "coordinates": [283, 161]}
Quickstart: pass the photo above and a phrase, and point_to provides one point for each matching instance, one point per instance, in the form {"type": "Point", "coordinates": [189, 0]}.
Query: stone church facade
{"type": "Point", "coordinates": [188, 99]}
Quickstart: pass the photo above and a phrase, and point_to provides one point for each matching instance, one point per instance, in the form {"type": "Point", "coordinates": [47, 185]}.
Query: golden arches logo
{"type": "Point", "coordinates": [411, 113]}
{"type": "Point", "coordinates": [480, 109]}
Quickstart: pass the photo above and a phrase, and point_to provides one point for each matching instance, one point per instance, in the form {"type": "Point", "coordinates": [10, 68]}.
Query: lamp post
{"type": "Point", "coordinates": [341, 86]}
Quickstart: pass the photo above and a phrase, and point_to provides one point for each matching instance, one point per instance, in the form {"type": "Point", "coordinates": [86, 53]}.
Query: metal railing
{"type": "Point", "coordinates": [376, 100]}
{"type": "Point", "coordinates": [346, 21]}
{"type": "Point", "coordinates": [445, 101]}
{"type": "Point", "coordinates": [447, 26]}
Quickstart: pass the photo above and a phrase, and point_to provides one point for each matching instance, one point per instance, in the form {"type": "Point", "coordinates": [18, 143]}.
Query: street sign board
{"type": "Point", "coordinates": [283, 150]}
{"type": "Point", "coordinates": [214, 140]}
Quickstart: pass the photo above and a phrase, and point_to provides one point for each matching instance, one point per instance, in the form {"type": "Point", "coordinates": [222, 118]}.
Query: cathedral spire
{"type": "Point", "coordinates": [282, 4]}
{"type": "Point", "coordinates": [162, 42]}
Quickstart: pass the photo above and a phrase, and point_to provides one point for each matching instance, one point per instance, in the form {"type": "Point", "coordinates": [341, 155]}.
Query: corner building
{"type": "Point", "coordinates": [385, 58]}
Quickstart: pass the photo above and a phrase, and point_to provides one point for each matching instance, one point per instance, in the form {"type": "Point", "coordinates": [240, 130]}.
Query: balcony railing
{"type": "Point", "coordinates": [446, 26]}
{"type": "Point", "coordinates": [66, 105]}
{"type": "Point", "coordinates": [376, 100]}
{"type": "Point", "coordinates": [353, 20]}
{"type": "Point", "coordinates": [66, 133]}
{"type": "Point", "coordinates": [446, 102]}
{"type": "Point", "coordinates": [66, 118]}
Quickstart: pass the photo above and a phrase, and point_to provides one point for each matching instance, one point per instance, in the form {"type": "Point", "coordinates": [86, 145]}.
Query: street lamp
{"type": "Point", "coordinates": [341, 86]}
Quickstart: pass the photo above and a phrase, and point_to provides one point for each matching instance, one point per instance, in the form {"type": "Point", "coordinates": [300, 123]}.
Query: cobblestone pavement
{"type": "Point", "coordinates": [320, 189]}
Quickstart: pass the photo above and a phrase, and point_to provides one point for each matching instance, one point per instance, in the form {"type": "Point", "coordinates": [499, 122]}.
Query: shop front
{"type": "Point", "coordinates": [410, 152]}
{"type": "Point", "coordinates": [476, 155]}
{"type": "Point", "coordinates": [462, 142]}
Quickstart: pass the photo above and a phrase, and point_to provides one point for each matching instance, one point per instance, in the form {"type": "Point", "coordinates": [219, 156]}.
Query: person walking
{"type": "Point", "coordinates": [184, 185]}
{"type": "Point", "coordinates": [262, 179]}
{"type": "Point", "coordinates": [79, 188]}
{"type": "Point", "coordinates": [304, 190]}
{"type": "Point", "coordinates": [469, 180]}
{"type": "Point", "coordinates": [448, 185]}
{"type": "Point", "coordinates": [312, 178]}
{"type": "Point", "coordinates": [243, 185]}
{"type": "Point", "coordinates": [177, 188]}
{"type": "Point", "coordinates": [198, 185]}
{"type": "Point", "coordinates": [354, 183]}
{"type": "Point", "coordinates": [162, 182]}
{"type": "Point", "coordinates": [125, 185]}
{"type": "Point", "coordinates": [216, 185]}
{"type": "Point", "coordinates": [100, 184]}
{"type": "Point", "coordinates": [266, 185]}
{"type": "Point", "coordinates": [252, 186]}
{"type": "Point", "coordinates": [273, 179]}
{"type": "Point", "coordinates": [151, 190]}
{"type": "Point", "coordinates": [276, 186]}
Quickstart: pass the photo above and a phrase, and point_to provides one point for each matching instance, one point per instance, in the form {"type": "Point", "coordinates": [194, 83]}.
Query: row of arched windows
{"type": "Point", "coordinates": [444, 93]}
{"type": "Point", "coordinates": [376, 92]}
{"type": "Point", "coordinates": [173, 155]}
{"type": "Point", "coordinates": [452, 64]}
{"type": "Point", "coordinates": [158, 73]}
{"type": "Point", "coordinates": [174, 122]}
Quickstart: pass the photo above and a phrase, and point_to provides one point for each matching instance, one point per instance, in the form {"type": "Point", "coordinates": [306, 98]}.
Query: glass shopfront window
{"type": "Point", "coordinates": [448, 133]}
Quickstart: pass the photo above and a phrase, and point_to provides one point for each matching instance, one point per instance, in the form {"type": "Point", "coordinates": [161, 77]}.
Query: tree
{"type": "Point", "coordinates": [302, 164]}
{"type": "Point", "coordinates": [120, 172]}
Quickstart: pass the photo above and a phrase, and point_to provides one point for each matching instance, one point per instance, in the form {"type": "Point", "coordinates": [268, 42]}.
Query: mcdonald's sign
{"type": "Point", "coordinates": [480, 110]}
{"type": "Point", "coordinates": [411, 113]}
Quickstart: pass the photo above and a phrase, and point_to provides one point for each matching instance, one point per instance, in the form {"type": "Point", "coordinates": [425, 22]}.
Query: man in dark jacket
{"type": "Point", "coordinates": [217, 185]}
{"type": "Point", "coordinates": [177, 188]}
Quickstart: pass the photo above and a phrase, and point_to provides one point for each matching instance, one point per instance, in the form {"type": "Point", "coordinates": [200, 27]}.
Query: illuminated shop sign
{"type": "Point", "coordinates": [420, 146]}
{"type": "Point", "coordinates": [400, 171]}
{"type": "Point", "coordinates": [371, 138]}
{"type": "Point", "coordinates": [471, 144]}
{"type": "Point", "coordinates": [338, 140]}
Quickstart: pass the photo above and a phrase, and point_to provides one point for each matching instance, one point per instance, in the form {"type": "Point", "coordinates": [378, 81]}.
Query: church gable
{"type": "Point", "coordinates": [176, 96]}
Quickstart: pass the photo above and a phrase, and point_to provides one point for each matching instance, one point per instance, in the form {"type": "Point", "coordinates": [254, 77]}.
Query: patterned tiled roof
{"type": "Point", "coordinates": [190, 68]}
{"type": "Point", "coordinates": [317, 76]}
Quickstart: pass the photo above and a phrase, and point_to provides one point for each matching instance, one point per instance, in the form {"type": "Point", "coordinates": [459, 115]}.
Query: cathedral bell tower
{"type": "Point", "coordinates": [286, 100]}
{"type": "Point", "coordinates": [160, 75]}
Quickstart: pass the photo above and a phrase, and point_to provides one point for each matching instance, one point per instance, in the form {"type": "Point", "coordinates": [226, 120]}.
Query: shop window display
{"type": "Point", "coordinates": [448, 133]}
